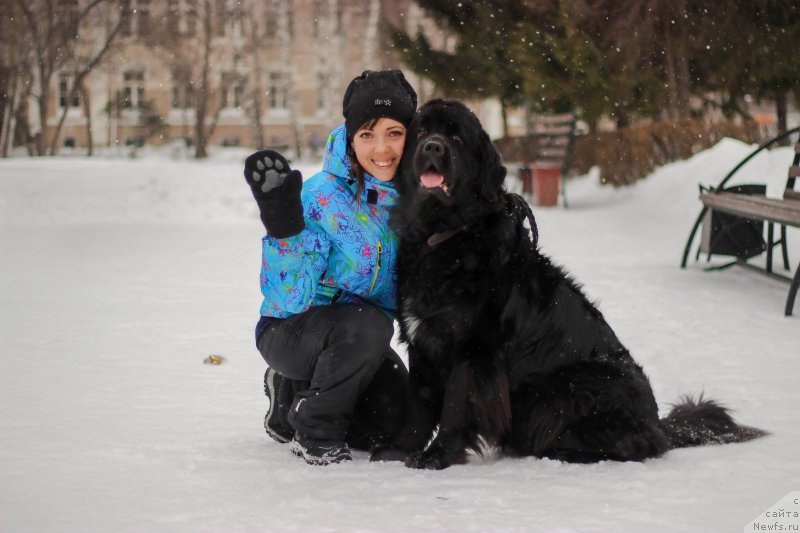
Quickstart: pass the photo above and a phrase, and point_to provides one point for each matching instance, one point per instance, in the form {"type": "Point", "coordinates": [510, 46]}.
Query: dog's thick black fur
{"type": "Point", "coordinates": [504, 348]}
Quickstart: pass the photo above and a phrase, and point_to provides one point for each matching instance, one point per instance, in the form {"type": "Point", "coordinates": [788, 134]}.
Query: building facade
{"type": "Point", "coordinates": [258, 74]}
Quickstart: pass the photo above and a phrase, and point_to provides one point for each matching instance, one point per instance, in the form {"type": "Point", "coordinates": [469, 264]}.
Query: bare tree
{"type": "Point", "coordinates": [371, 35]}
{"type": "Point", "coordinates": [186, 42]}
{"type": "Point", "coordinates": [201, 109]}
{"type": "Point", "coordinates": [87, 110]}
{"type": "Point", "coordinates": [329, 65]}
{"type": "Point", "coordinates": [64, 37]}
{"type": "Point", "coordinates": [255, 41]}
{"type": "Point", "coordinates": [14, 71]}
{"type": "Point", "coordinates": [284, 35]}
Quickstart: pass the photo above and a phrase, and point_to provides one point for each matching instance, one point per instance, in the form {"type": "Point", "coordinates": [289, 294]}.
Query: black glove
{"type": "Point", "coordinates": [276, 188]}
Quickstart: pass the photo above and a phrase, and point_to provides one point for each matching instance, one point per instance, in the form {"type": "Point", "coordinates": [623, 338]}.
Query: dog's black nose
{"type": "Point", "coordinates": [433, 147]}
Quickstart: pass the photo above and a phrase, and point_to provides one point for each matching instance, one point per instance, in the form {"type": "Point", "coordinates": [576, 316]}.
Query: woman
{"type": "Point", "coordinates": [329, 282]}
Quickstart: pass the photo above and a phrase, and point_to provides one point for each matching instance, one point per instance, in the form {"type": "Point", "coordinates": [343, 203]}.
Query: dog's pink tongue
{"type": "Point", "coordinates": [431, 180]}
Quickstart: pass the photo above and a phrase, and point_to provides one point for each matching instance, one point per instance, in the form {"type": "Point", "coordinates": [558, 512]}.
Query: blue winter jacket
{"type": "Point", "coordinates": [347, 251]}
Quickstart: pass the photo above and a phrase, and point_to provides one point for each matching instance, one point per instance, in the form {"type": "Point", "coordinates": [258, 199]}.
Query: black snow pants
{"type": "Point", "coordinates": [342, 379]}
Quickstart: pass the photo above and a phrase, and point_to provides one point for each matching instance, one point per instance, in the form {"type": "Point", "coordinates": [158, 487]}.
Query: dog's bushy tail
{"type": "Point", "coordinates": [702, 422]}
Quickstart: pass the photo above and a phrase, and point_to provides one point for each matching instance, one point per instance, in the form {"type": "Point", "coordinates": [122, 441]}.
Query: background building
{"type": "Point", "coordinates": [254, 73]}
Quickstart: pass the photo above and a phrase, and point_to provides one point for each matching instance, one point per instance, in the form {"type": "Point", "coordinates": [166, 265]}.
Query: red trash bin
{"type": "Point", "coordinates": [526, 177]}
{"type": "Point", "coordinates": [546, 183]}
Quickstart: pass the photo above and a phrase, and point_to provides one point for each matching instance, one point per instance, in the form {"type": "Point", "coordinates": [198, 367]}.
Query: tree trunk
{"type": "Point", "coordinates": [43, 63]}
{"type": "Point", "coordinates": [9, 115]}
{"type": "Point", "coordinates": [781, 110]}
{"type": "Point", "coordinates": [57, 131]}
{"type": "Point", "coordinates": [684, 89]}
{"type": "Point", "coordinates": [201, 140]}
{"type": "Point", "coordinates": [528, 118]}
{"type": "Point", "coordinates": [330, 66]}
{"type": "Point", "coordinates": [677, 65]}
{"type": "Point", "coordinates": [622, 120]}
{"type": "Point", "coordinates": [44, 109]}
{"type": "Point", "coordinates": [87, 110]}
{"type": "Point", "coordinates": [371, 36]}
{"type": "Point", "coordinates": [504, 115]}
{"type": "Point", "coordinates": [255, 81]}
{"type": "Point", "coordinates": [671, 77]}
{"type": "Point", "coordinates": [285, 37]}
{"type": "Point", "coordinates": [80, 77]}
{"type": "Point", "coordinates": [53, 49]}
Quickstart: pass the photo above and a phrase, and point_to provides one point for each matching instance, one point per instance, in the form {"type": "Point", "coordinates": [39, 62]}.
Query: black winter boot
{"type": "Point", "coordinates": [275, 421]}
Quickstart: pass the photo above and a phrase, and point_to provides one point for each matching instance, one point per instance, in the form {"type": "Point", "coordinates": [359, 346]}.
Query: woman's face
{"type": "Point", "coordinates": [379, 150]}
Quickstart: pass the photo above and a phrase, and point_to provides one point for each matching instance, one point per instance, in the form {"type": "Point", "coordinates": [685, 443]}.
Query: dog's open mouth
{"type": "Point", "coordinates": [432, 179]}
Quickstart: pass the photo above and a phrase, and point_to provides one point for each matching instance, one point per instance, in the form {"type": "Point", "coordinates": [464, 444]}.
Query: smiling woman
{"type": "Point", "coordinates": [329, 280]}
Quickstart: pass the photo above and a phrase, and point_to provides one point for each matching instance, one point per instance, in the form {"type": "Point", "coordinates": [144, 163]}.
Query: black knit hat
{"type": "Point", "coordinates": [372, 95]}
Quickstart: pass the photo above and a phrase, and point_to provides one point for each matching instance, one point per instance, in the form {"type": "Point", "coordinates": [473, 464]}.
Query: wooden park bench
{"type": "Point", "coordinates": [733, 220]}
{"type": "Point", "coordinates": [550, 144]}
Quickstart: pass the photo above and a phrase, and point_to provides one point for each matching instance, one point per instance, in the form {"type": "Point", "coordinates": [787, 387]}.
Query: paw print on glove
{"type": "Point", "coordinates": [276, 189]}
{"type": "Point", "coordinates": [266, 170]}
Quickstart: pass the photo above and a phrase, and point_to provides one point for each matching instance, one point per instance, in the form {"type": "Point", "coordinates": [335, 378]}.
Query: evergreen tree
{"type": "Point", "coordinates": [626, 59]}
{"type": "Point", "coordinates": [750, 54]}
{"type": "Point", "coordinates": [485, 61]}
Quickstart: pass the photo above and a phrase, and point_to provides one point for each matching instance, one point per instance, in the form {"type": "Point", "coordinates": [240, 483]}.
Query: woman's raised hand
{"type": "Point", "coordinates": [276, 188]}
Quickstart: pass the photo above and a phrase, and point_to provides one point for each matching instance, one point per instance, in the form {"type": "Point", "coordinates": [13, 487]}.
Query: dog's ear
{"type": "Point", "coordinates": [493, 173]}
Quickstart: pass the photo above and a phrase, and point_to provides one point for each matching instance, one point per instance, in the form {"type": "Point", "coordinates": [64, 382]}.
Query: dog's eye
{"type": "Point", "coordinates": [421, 134]}
{"type": "Point", "coordinates": [457, 139]}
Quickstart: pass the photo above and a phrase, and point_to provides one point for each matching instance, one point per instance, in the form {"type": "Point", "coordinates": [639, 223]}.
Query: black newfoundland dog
{"type": "Point", "coordinates": [504, 348]}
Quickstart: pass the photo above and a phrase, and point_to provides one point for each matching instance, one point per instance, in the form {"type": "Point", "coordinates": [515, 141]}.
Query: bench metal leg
{"type": "Point", "coordinates": [793, 291]}
{"type": "Point", "coordinates": [724, 266]}
{"type": "Point", "coordinates": [785, 247]}
{"type": "Point", "coordinates": [770, 244]}
{"type": "Point", "coordinates": [688, 248]}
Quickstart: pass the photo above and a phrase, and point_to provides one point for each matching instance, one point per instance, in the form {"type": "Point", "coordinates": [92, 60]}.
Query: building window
{"type": "Point", "coordinates": [67, 16]}
{"type": "Point", "coordinates": [277, 12]}
{"type": "Point", "coordinates": [143, 18]}
{"type": "Point", "coordinates": [64, 84]}
{"type": "Point", "coordinates": [126, 15]}
{"type": "Point", "coordinates": [268, 32]}
{"type": "Point", "coordinates": [277, 91]}
{"type": "Point", "coordinates": [191, 21]}
{"type": "Point", "coordinates": [135, 17]}
{"type": "Point", "coordinates": [326, 19]}
{"type": "Point", "coordinates": [183, 96]}
{"type": "Point", "coordinates": [133, 90]}
{"type": "Point", "coordinates": [229, 15]}
{"type": "Point", "coordinates": [232, 91]}
{"type": "Point", "coordinates": [173, 17]}
{"type": "Point", "coordinates": [182, 17]}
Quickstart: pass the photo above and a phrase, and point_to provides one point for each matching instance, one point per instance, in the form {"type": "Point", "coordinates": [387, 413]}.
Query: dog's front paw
{"type": "Point", "coordinates": [388, 454]}
{"type": "Point", "coordinates": [437, 456]}
{"type": "Point", "coordinates": [417, 460]}
{"type": "Point", "coordinates": [428, 460]}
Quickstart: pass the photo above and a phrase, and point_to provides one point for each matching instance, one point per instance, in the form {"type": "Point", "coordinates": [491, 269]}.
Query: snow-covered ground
{"type": "Point", "coordinates": [119, 277]}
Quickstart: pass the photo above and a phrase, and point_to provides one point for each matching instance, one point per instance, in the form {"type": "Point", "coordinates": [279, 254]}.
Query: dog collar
{"type": "Point", "coordinates": [439, 238]}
